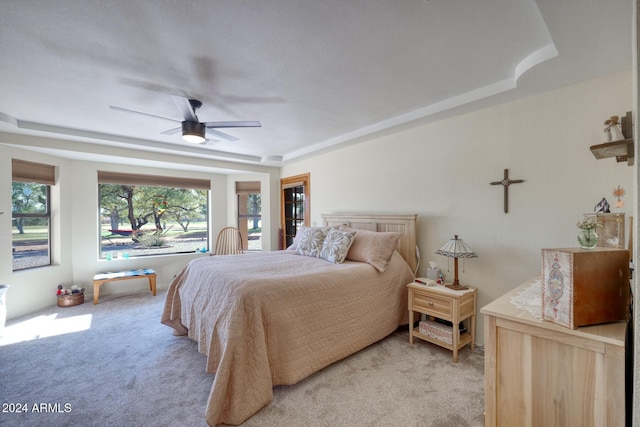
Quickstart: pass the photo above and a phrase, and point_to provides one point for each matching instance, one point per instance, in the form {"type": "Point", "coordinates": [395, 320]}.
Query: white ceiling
{"type": "Point", "coordinates": [317, 74]}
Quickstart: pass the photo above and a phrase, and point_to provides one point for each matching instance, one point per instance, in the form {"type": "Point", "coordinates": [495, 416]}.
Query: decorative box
{"type": "Point", "coordinates": [436, 330]}
{"type": "Point", "coordinates": [585, 286]}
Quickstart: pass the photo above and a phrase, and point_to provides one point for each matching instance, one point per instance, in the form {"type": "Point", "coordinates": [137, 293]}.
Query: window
{"type": "Point", "coordinates": [142, 215]}
{"type": "Point", "coordinates": [31, 213]}
{"type": "Point", "coordinates": [250, 214]}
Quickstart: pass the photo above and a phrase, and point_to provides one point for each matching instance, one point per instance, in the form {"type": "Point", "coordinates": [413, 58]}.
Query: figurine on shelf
{"type": "Point", "coordinates": [612, 129]}
{"type": "Point", "coordinates": [602, 206]}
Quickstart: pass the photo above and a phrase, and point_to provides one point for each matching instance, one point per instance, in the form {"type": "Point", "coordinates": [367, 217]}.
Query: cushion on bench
{"type": "Point", "coordinates": [127, 273]}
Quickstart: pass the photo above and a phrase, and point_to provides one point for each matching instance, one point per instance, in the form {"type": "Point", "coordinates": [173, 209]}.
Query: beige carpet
{"type": "Point", "coordinates": [115, 364]}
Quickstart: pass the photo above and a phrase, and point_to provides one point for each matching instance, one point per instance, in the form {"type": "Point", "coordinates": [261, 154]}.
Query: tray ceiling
{"type": "Point", "coordinates": [316, 74]}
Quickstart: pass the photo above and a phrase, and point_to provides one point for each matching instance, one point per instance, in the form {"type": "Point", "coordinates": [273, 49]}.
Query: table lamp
{"type": "Point", "coordinates": [456, 248]}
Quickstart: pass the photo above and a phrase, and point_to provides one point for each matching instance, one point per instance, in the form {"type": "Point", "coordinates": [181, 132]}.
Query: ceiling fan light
{"type": "Point", "coordinates": [193, 132]}
{"type": "Point", "coordinates": [194, 139]}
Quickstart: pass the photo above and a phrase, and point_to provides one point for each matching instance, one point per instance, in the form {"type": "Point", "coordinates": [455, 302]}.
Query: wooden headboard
{"type": "Point", "coordinates": [403, 224]}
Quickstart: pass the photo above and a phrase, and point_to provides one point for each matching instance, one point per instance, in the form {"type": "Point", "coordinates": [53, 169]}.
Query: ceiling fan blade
{"type": "Point", "coordinates": [172, 131]}
{"type": "Point", "coordinates": [221, 135]}
{"type": "Point", "coordinates": [185, 108]}
{"type": "Point", "coordinates": [140, 112]}
{"type": "Point", "coordinates": [240, 124]}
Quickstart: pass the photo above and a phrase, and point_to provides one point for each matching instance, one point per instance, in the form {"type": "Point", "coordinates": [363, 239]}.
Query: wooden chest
{"type": "Point", "coordinates": [540, 374]}
{"type": "Point", "coordinates": [585, 286]}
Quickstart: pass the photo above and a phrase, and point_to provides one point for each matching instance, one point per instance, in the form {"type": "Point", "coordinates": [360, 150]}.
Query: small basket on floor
{"type": "Point", "coordinates": [70, 300]}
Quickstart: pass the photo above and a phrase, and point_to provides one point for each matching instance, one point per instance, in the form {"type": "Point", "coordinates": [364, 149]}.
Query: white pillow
{"type": "Point", "coordinates": [299, 233]}
{"type": "Point", "coordinates": [336, 245]}
{"type": "Point", "coordinates": [310, 243]}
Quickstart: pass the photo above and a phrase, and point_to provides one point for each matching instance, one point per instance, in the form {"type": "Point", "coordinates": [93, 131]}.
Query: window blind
{"type": "Point", "coordinates": [108, 177]}
{"type": "Point", "coordinates": [292, 185]}
{"type": "Point", "coordinates": [24, 171]}
{"type": "Point", "coordinates": [247, 187]}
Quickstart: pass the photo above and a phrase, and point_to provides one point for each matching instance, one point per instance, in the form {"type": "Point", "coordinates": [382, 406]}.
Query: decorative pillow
{"type": "Point", "coordinates": [296, 240]}
{"type": "Point", "coordinates": [372, 247]}
{"type": "Point", "coordinates": [310, 243]}
{"type": "Point", "coordinates": [336, 245]}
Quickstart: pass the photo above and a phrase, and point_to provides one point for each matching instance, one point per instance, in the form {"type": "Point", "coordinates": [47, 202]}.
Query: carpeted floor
{"type": "Point", "coordinates": [115, 364]}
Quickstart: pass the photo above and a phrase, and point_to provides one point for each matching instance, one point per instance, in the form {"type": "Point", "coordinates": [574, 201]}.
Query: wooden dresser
{"type": "Point", "coordinates": [541, 374]}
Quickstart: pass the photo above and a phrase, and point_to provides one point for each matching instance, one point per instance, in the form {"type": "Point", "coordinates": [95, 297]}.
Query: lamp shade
{"type": "Point", "coordinates": [456, 248]}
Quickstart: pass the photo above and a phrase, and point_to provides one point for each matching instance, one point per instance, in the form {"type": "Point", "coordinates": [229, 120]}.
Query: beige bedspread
{"type": "Point", "coordinates": [274, 318]}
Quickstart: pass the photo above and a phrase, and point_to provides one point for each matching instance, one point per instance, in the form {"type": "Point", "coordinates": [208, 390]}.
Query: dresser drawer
{"type": "Point", "coordinates": [432, 305]}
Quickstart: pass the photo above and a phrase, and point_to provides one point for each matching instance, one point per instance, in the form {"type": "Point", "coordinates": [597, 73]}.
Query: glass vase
{"type": "Point", "coordinates": [587, 238]}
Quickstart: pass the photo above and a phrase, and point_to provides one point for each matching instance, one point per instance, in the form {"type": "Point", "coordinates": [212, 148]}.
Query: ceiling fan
{"type": "Point", "coordinates": [193, 130]}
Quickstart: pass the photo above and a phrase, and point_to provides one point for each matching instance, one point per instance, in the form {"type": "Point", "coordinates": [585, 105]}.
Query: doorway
{"type": "Point", "coordinates": [294, 208]}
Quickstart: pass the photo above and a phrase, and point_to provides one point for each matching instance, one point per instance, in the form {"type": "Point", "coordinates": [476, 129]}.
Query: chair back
{"type": "Point", "coordinates": [229, 242]}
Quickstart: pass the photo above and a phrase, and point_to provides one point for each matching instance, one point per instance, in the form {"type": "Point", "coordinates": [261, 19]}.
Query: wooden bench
{"type": "Point", "coordinates": [101, 278]}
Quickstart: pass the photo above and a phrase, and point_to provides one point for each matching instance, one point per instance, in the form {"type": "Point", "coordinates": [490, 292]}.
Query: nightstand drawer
{"type": "Point", "coordinates": [440, 307]}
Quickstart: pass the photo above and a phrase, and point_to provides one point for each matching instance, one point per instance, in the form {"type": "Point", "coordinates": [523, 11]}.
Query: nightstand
{"type": "Point", "coordinates": [446, 304]}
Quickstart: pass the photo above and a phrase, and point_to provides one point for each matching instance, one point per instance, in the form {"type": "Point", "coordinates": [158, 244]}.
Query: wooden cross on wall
{"type": "Point", "coordinates": [506, 182]}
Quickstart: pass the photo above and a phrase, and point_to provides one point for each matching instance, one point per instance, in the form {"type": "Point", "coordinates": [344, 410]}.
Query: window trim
{"type": "Point", "coordinates": [38, 173]}
{"type": "Point", "coordinates": [46, 214]}
{"type": "Point", "coordinates": [166, 182]}
{"type": "Point", "coordinates": [243, 190]}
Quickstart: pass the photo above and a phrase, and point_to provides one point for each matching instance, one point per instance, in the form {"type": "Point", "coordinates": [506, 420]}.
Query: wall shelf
{"type": "Point", "coordinates": [622, 150]}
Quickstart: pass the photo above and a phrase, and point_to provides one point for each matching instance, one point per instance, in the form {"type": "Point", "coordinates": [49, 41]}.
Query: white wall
{"type": "Point", "coordinates": [442, 171]}
{"type": "Point", "coordinates": [35, 288]}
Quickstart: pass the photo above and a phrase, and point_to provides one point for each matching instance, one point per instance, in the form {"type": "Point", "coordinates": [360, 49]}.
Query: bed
{"type": "Point", "coordinates": [274, 318]}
